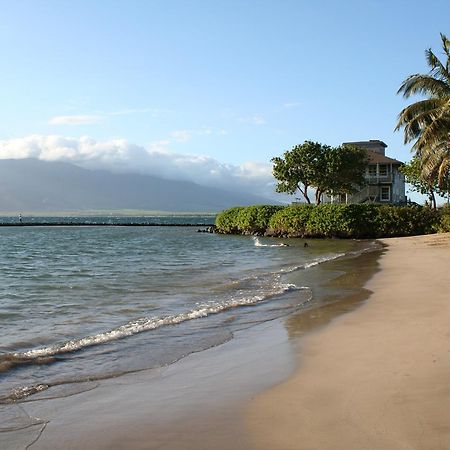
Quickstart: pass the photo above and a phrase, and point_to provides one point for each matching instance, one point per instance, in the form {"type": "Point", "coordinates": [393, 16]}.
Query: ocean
{"type": "Point", "coordinates": [87, 303]}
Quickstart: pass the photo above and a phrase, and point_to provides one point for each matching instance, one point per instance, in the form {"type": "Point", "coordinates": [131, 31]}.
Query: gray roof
{"type": "Point", "coordinates": [377, 158]}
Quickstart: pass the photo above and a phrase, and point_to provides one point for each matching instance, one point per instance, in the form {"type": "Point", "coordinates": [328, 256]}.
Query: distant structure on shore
{"type": "Point", "coordinates": [385, 183]}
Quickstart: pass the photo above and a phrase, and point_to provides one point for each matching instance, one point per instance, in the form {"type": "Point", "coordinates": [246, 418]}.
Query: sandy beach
{"type": "Point", "coordinates": [378, 377]}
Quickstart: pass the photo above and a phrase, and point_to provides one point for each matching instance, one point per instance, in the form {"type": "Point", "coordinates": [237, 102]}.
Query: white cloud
{"type": "Point", "coordinates": [154, 112]}
{"type": "Point", "coordinates": [291, 105]}
{"type": "Point", "coordinates": [186, 135]}
{"type": "Point", "coordinates": [181, 135]}
{"type": "Point", "coordinates": [75, 120]}
{"type": "Point", "coordinates": [258, 120]}
{"type": "Point", "coordinates": [90, 119]}
{"type": "Point", "coordinates": [119, 155]}
{"type": "Point", "coordinates": [253, 120]}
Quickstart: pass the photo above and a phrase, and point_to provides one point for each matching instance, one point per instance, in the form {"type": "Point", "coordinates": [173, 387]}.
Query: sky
{"type": "Point", "coordinates": [206, 90]}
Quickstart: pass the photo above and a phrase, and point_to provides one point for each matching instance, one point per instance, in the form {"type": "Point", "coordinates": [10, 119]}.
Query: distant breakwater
{"type": "Point", "coordinates": [105, 224]}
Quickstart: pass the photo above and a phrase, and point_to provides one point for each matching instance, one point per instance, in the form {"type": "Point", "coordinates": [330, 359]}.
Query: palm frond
{"type": "Point", "coordinates": [427, 122]}
{"type": "Point", "coordinates": [437, 131]}
{"type": "Point", "coordinates": [424, 85]}
{"type": "Point", "coordinates": [434, 161]}
{"type": "Point", "coordinates": [417, 116]}
{"type": "Point", "coordinates": [445, 45]}
{"type": "Point", "coordinates": [443, 171]}
{"type": "Point", "coordinates": [438, 70]}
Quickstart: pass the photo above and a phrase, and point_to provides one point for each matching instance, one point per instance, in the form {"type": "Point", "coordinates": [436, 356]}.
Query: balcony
{"type": "Point", "coordinates": [376, 179]}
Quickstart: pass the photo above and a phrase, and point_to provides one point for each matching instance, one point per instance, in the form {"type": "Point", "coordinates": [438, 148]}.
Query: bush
{"type": "Point", "coordinates": [255, 219]}
{"type": "Point", "coordinates": [444, 223]}
{"type": "Point", "coordinates": [246, 220]}
{"type": "Point", "coordinates": [330, 220]}
{"type": "Point", "coordinates": [291, 220]}
{"type": "Point", "coordinates": [226, 221]}
{"type": "Point", "coordinates": [406, 221]}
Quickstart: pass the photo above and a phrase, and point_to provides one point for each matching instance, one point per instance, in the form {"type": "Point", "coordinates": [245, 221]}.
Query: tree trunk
{"type": "Point", "coordinates": [432, 199]}
{"type": "Point", "coordinates": [304, 192]}
{"type": "Point", "coordinates": [318, 196]}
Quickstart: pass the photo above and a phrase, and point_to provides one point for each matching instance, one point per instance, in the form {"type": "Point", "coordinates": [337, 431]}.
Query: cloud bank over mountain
{"type": "Point", "coordinates": [33, 185]}
{"type": "Point", "coordinates": [121, 156]}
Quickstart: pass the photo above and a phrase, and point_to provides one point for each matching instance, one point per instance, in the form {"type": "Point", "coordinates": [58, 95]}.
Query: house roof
{"type": "Point", "coordinates": [377, 158]}
{"type": "Point", "coordinates": [367, 144]}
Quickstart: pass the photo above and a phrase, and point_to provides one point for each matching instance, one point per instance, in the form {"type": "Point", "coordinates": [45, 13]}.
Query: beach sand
{"type": "Point", "coordinates": [378, 377]}
{"type": "Point", "coordinates": [196, 403]}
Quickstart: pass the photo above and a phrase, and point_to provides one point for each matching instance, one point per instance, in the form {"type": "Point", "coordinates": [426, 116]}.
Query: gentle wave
{"type": "Point", "coordinates": [258, 243]}
{"type": "Point", "coordinates": [48, 354]}
{"type": "Point", "coordinates": [267, 286]}
{"type": "Point", "coordinates": [43, 355]}
{"type": "Point", "coordinates": [316, 262]}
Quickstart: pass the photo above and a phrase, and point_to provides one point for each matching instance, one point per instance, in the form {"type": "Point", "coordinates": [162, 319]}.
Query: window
{"type": "Point", "coordinates": [385, 193]}
{"type": "Point", "coordinates": [372, 171]}
{"type": "Point", "coordinates": [382, 170]}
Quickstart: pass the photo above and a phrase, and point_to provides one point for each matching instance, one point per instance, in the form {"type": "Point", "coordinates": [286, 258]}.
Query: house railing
{"type": "Point", "coordinates": [374, 179]}
{"type": "Point", "coordinates": [366, 194]}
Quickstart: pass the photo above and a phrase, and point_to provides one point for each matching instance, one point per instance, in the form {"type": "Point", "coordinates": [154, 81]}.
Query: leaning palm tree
{"type": "Point", "coordinates": [427, 122]}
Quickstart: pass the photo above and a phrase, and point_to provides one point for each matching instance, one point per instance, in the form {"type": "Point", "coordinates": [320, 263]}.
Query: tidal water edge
{"type": "Point", "coordinates": [81, 304]}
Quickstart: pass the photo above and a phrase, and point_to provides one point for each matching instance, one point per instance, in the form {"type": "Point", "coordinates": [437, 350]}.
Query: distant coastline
{"type": "Point", "coordinates": [108, 220]}
{"type": "Point", "coordinates": [107, 212]}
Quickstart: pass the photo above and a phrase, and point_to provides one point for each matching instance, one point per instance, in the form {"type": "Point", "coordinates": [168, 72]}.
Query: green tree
{"type": "Point", "coordinates": [330, 170]}
{"type": "Point", "coordinates": [430, 187]}
{"type": "Point", "coordinates": [427, 122]}
{"type": "Point", "coordinates": [299, 169]}
{"type": "Point", "coordinates": [343, 173]}
{"type": "Point", "coordinates": [413, 175]}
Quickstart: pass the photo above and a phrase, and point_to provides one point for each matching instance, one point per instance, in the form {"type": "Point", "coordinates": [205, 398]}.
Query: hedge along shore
{"type": "Point", "coordinates": [333, 220]}
{"type": "Point", "coordinates": [377, 377]}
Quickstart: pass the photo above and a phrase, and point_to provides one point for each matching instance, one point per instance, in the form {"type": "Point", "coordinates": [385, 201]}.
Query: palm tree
{"type": "Point", "coordinates": [428, 121]}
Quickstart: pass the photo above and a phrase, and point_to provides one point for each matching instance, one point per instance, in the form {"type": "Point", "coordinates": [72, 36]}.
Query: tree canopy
{"type": "Point", "coordinates": [427, 122]}
{"type": "Point", "coordinates": [329, 170]}
{"type": "Point", "coordinates": [413, 175]}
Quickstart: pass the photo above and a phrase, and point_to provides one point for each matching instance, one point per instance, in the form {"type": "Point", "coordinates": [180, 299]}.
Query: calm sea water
{"type": "Point", "coordinates": [85, 303]}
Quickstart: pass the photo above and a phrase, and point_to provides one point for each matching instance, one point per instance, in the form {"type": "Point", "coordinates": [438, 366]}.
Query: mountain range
{"type": "Point", "coordinates": [52, 186]}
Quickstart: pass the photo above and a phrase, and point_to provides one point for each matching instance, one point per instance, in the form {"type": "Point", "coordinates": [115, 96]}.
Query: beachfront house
{"type": "Point", "coordinates": [384, 182]}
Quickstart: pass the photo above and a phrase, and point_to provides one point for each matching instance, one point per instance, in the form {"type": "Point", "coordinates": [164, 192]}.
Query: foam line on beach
{"type": "Point", "coordinates": [138, 326]}
{"type": "Point", "coordinates": [48, 354]}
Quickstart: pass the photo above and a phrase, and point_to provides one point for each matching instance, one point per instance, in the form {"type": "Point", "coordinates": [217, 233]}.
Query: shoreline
{"type": "Point", "coordinates": [199, 401]}
{"type": "Point", "coordinates": [376, 378]}
{"type": "Point", "coordinates": [195, 403]}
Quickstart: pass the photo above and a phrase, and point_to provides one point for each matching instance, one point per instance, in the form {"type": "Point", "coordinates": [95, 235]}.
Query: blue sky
{"type": "Point", "coordinates": [232, 83]}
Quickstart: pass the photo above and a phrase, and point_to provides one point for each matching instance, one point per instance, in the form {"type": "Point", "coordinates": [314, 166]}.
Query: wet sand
{"type": "Point", "coordinates": [378, 377]}
{"type": "Point", "coordinates": [195, 403]}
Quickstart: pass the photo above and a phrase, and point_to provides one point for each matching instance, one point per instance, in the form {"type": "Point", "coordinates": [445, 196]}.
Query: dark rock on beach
{"type": "Point", "coordinates": [211, 229]}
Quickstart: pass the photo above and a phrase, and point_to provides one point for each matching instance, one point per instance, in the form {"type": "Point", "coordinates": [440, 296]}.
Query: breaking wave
{"type": "Point", "coordinates": [45, 354]}
{"type": "Point", "coordinates": [258, 243]}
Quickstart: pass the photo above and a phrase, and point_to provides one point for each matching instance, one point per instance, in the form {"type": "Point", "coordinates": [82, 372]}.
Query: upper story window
{"type": "Point", "coordinates": [372, 170]}
{"type": "Point", "coordinates": [382, 170]}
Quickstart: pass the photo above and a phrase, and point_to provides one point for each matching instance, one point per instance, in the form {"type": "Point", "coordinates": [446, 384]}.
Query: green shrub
{"type": "Point", "coordinates": [334, 220]}
{"type": "Point", "coordinates": [250, 219]}
{"type": "Point", "coordinates": [444, 223]}
{"type": "Point", "coordinates": [291, 220]}
{"type": "Point", "coordinates": [406, 221]}
{"type": "Point", "coordinates": [255, 219]}
{"type": "Point", "coordinates": [226, 221]}
{"type": "Point", "coordinates": [360, 220]}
